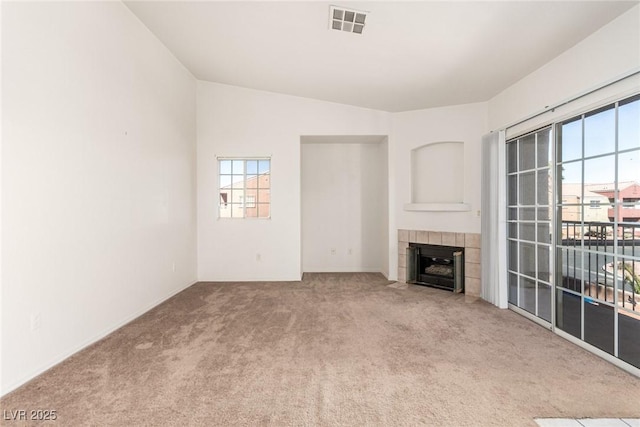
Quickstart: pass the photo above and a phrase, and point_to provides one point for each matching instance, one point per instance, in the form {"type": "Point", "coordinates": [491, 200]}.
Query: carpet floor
{"type": "Point", "coordinates": [331, 350]}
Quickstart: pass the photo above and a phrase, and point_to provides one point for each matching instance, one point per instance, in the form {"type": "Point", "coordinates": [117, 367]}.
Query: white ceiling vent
{"type": "Point", "coordinates": [349, 20]}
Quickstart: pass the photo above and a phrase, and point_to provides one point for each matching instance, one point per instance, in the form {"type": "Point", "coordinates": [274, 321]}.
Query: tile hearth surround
{"type": "Point", "coordinates": [469, 241]}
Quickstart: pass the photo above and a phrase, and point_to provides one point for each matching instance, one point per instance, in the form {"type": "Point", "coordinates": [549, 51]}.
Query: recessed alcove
{"type": "Point", "coordinates": [344, 203]}
{"type": "Point", "coordinates": [437, 177]}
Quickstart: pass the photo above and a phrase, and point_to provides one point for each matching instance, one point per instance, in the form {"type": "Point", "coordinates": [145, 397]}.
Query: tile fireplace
{"type": "Point", "coordinates": [469, 241]}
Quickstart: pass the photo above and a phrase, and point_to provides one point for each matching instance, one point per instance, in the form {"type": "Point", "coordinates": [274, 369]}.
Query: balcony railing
{"type": "Point", "coordinates": [599, 267]}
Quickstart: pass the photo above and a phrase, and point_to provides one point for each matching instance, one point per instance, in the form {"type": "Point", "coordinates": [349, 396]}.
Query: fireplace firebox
{"type": "Point", "coordinates": [437, 266]}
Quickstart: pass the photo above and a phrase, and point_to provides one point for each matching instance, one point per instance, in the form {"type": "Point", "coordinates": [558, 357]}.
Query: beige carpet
{"type": "Point", "coordinates": [334, 349]}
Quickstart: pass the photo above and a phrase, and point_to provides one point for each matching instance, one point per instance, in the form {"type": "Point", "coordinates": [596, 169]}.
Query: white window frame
{"type": "Point", "coordinates": [249, 202]}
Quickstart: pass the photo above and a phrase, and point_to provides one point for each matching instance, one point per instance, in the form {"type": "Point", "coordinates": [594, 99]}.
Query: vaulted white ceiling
{"type": "Point", "coordinates": [412, 55]}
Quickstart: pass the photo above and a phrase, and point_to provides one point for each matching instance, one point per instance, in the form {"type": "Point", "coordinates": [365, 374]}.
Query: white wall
{"type": "Point", "coordinates": [344, 207]}
{"type": "Point", "coordinates": [98, 178]}
{"type": "Point", "coordinates": [234, 121]}
{"type": "Point", "coordinates": [610, 52]}
{"type": "Point", "coordinates": [1, 133]}
{"type": "Point", "coordinates": [437, 173]}
{"type": "Point", "coordinates": [465, 123]}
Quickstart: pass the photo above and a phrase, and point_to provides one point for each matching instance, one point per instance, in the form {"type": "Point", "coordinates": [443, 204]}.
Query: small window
{"type": "Point", "coordinates": [244, 187]}
{"type": "Point", "coordinates": [594, 204]}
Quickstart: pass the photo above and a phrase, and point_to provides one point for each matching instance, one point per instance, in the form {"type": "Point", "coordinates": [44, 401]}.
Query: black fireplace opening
{"type": "Point", "coordinates": [436, 265]}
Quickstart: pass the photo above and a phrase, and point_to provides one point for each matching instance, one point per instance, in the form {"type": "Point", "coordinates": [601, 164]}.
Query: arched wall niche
{"type": "Point", "coordinates": [437, 173]}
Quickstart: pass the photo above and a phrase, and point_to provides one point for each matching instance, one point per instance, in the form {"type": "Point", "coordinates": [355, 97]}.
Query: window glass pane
{"type": "Point", "coordinates": [238, 167]}
{"type": "Point", "coordinates": [596, 233]}
{"type": "Point", "coordinates": [237, 196]}
{"type": "Point", "coordinates": [237, 210]}
{"type": "Point", "coordinates": [513, 255]}
{"type": "Point", "coordinates": [264, 196]}
{"type": "Point", "coordinates": [544, 301]}
{"type": "Point", "coordinates": [571, 225]}
{"type": "Point", "coordinates": [513, 289]}
{"type": "Point", "coordinates": [528, 295]}
{"type": "Point", "coordinates": [264, 166]}
{"type": "Point", "coordinates": [569, 262]}
{"type": "Point", "coordinates": [629, 232]}
{"type": "Point", "coordinates": [598, 325]}
{"type": "Point", "coordinates": [544, 232]}
{"type": "Point", "coordinates": [225, 210]}
{"type": "Point", "coordinates": [512, 157]}
{"type": "Point", "coordinates": [225, 181]}
{"type": "Point", "coordinates": [571, 216]}
{"type": "Point", "coordinates": [512, 213]}
{"type": "Point", "coordinates": [237, 181]}
{"type": "Point", "coordinates": [251, 209]}
{"type": "Point", "coordinates": [600, 132]}
{"type": "Point", "coordinates": [250, 199]}
{"type": "Point", "coordinates": [512, 193]}
{"type": "Point", "coordinates": [264, 210]}
{"type": "Point", "coordinates": [225, 167]}
{"type": "Point", "coordinates": [629, 173]}
{"type": "Point", "coordinates": [570, 192]}
{"type": "Point", "coordinates": [252, 181]}
{"type": "Point", "coordinates": [599, 174]}
{"type": "Point", "coordinates": [629, 124]}
{"type": "Point", "coordinates": [568, 312]}
{"type": "Point", "coordinates": [513, 230]}
{"type": "Point", "coordinates": [628, 283]}
{"type": "Point", "coordinates": [597, 209]}
{"type": "Point", "coordinates": [570, 144]}
{"type": "Point", "coordinates": [544, 187]}
{"type": "Point", "coordinates": [599, 275]}
{"type": "Point", "coordinates": [527, 259]}
{"type": "Point", "coordinates": [252, 167]}
{"type": "Point", "coordinates": [527, 188]}
{"type": "Point", "coordinates": [527, 152]}
{"type": "Point", "coordinates": [225, 198]}
{"type": "Point", "coordinates": [544, 214]}
{"type": "Point", "coordinates": [528, 214]}
{"type": "Point", "coordinates": [544, 148]}
{"type": "Point", "coordinates": [528, 231]}
{"type": "Point", "coordinates": [628, 342]}
{"type": "Point", "coordinates": [544, 263]}
{"type": "Point", "coordinates": [264, 181]}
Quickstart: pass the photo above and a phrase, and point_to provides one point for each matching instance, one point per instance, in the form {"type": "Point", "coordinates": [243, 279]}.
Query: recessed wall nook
{"type": "Point", "coordinates": [437, 177]}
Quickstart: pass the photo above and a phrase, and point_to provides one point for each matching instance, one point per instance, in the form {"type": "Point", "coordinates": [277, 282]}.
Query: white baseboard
{"type": "Point", "coordinates": [344, 270]}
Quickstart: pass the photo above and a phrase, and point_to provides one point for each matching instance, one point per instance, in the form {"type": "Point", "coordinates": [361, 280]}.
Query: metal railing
{"type": "Point", "coordinates": [588, 252]}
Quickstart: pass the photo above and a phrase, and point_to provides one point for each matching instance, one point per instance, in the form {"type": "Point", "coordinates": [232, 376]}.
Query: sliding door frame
{"type": "Point", "coordinates": [555, 228]}
{"type": "Point", "coordinates": [551, 221]}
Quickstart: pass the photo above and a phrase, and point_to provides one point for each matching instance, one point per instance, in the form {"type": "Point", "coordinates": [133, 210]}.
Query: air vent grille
{"type": "Point", "coordinates": [347, 20]}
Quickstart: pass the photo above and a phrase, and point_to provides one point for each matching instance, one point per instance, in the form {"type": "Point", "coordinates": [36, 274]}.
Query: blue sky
{"type": "Point", "coordinates": [599, 136]}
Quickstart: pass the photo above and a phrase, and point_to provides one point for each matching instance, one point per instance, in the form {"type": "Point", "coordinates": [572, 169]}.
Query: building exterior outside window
{"type": "Point", "coordinates": [244, 188]}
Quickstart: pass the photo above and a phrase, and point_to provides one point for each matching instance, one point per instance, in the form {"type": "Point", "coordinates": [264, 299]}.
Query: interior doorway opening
{"type": "Point", "coordinates": [345, 204]}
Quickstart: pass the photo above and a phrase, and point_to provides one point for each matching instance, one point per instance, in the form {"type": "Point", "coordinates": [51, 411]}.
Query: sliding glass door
{"type": "Point", "coordinates": [529, 200]}
{"type": "Point", "coordinates": [598, 228]}
{"type": "Point", "coordinates": [574, 228]}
